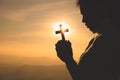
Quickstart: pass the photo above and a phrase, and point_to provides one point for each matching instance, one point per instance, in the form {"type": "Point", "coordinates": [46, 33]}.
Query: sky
{"type": "Point", "coordinates": [27, 27]}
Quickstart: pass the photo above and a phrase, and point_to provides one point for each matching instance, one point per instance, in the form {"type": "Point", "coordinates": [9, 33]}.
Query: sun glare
{"type": "Point", "coordinates": [64, 27]}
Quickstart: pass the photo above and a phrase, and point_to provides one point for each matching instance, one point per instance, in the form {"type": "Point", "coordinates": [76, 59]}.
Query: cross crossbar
{"type": "Point", "coordinates": [61, 31]}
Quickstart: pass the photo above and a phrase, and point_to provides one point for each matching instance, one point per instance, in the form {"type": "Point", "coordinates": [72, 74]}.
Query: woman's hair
{"type": "Point", "coordinates": [108, 8]}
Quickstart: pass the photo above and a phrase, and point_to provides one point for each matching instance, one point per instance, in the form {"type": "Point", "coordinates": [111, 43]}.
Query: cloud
{"type": "Point", "coordinates": [20, 10]}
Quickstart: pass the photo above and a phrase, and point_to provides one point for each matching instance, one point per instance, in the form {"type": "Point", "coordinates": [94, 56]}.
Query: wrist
{"type": "Point", "coordinates": [69, 61]}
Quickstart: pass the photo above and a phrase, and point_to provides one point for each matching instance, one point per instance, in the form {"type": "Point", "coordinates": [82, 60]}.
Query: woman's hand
{"type": "Point", "coordinates": [64, 50]}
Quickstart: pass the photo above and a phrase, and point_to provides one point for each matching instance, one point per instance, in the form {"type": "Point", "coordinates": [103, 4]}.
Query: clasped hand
{"type": "Point", "coordinates": [64, 50]}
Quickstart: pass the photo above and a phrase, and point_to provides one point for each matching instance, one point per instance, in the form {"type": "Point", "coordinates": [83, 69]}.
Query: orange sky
{"type": "Point", "coordinates": [26, 27]}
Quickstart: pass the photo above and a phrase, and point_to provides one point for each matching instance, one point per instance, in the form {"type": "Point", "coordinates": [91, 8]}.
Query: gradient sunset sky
{"type": "Point", "coordinates": [27, 27]}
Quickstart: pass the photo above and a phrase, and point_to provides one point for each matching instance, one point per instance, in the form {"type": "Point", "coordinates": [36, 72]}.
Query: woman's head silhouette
{"type": "Point", "coordinates": [96, 11]}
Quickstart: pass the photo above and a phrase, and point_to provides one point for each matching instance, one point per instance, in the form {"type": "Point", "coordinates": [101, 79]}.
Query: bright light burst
{"type": "Point", "coordinates": [64, 27]}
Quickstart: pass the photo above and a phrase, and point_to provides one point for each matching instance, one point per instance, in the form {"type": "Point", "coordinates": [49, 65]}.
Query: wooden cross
{"type": "Point", "coordinates": [62, 32]}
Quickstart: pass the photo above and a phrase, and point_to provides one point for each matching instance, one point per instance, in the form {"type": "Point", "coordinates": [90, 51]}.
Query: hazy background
{"type": "Point", "coordinates": [27, 38]}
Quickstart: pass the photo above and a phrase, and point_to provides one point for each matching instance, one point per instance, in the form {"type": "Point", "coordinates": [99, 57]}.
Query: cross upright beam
{"type": "Point", "coordinates": [61, 31]}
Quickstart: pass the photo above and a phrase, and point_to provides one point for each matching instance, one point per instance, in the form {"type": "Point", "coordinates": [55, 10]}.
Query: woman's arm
{"type": "Point", "coordinates": [64, 52]}
{"type": "Point", "coordinates": [73, 69]}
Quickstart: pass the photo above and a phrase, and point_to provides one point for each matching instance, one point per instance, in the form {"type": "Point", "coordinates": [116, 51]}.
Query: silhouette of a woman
{"type": "Point", "coordinates": [101, 61]}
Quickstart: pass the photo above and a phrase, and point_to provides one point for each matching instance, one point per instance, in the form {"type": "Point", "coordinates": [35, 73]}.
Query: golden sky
{"type": "Point", "coordinates": [26, 27]}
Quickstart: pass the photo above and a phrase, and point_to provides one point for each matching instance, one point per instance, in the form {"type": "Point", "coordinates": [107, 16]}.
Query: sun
{"type": "Point", "coordinates": [64, 26]}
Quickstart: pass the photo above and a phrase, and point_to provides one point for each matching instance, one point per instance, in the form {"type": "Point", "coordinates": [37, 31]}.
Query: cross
{"type": "Point", "coordinates": [62, 32]}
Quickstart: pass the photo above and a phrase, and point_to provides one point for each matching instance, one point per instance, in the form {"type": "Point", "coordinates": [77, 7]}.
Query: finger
{"type": "Point", "coordinates": [69, 42]}
{"type": "Point", "coordinates": [61, 42]}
